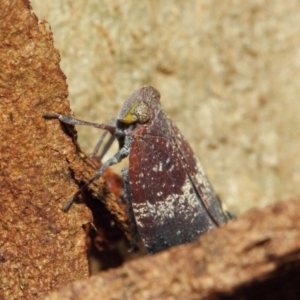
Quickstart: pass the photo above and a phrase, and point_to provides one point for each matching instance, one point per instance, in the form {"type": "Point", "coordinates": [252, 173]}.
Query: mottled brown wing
{"type": "Point", "coordinates": [200, 181]}
{"type": "Point", "coordinates": [166, 205]}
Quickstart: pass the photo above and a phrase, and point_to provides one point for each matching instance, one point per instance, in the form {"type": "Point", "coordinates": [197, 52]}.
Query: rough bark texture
{"type": "Point", "coordinates": [254, 257]}
{"type": "Point", "coordinates": [204, 57]}
{"type": "Point", "coordinates": [41, 247]}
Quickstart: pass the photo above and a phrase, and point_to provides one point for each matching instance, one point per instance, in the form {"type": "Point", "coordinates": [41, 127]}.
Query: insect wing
{"type": "Point", "coordinates": [204, 189]}
{"type": "Point", "coordinates": [165, 203]}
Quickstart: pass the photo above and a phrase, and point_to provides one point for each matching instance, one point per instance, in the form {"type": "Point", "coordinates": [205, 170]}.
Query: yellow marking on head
{"type": "Point", "coordinates": [139, 112]}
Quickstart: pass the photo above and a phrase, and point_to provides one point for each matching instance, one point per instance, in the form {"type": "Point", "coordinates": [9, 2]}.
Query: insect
{"type": "Point", "coordinates": [169, 198]}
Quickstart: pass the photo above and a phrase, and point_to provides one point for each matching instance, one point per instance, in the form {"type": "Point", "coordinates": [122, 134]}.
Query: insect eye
{"type": "Point", "coordinates": [138, 112]}
{"type": "Point", "coordinates": [142, 113]}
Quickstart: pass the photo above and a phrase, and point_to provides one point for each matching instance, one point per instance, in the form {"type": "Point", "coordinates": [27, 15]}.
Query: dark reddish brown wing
{"type": "Point", "coordinates": [204, 189]}
{"type": "Point", "coordinates": [165, 202]}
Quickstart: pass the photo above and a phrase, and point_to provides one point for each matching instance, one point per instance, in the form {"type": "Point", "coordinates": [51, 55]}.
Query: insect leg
{"type": "Point", "coordinates": [74, 121]}
{"type": "Point", "coordinates": [112, 122]}
{"type": "Point", "coordinates": [106, 146]}
{"type": "Point", "coordinates": [128, 200]}
{"type": "Point", "coordinates": [121, 154]}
